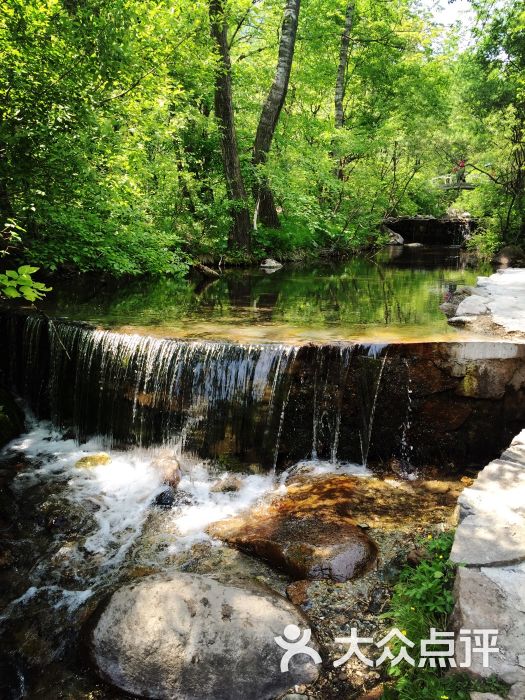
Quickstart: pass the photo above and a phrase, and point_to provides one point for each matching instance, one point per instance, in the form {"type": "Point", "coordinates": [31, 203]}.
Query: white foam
{"type": "Point", "coordinates": [317, 467]}
{"type": "Point", "coordinates": [121, 491]}
{"type": "Point", "coordinates": [121, 494]}
{"type": "Point", "coordinates": [208, 507]}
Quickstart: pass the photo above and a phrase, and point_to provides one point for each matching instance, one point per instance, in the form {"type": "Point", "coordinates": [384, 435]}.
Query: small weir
{"type": "Point", "coordinates": [447, 405]}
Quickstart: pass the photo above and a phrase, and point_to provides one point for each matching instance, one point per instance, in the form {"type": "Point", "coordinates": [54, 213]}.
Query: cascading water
{"type": "Point", "coordinates": [132, 389]}
{"type": "Point", "coordinates": [250, 403]}
{"type": "Point", "coordinates": [406, 446]}
{"type": "Point", "coordinates": [365, 444]}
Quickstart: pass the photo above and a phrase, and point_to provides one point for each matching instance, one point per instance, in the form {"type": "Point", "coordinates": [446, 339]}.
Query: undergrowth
{"type": "Point", "coordinates": [423, 599]}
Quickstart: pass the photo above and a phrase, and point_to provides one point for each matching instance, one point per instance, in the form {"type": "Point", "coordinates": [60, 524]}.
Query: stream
{"type": "Point", "coordinates": [218, 383]}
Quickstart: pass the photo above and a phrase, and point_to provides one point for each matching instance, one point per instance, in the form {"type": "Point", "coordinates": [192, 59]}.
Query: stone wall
{"type": "Point", "coordinates": [490, 546]}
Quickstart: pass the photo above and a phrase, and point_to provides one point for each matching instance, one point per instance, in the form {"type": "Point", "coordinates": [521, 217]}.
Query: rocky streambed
{"type": "Point", "coordinates": [193, 506]}
{"type": "Point", "coordinates": [107, 589]}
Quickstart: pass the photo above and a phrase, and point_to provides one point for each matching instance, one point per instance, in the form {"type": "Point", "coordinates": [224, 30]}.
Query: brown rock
{"type": "Point", "coordinates": [170, 468]}
{"type": "Point", "coordinates": [309, 532]}
{"type": "Point", "coordinates": [297, 592]}
{"type": "Point", "coordinates": [373, 694]}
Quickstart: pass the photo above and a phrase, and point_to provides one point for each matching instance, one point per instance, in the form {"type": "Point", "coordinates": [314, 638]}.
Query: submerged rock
{"type": "Point", "coordinates": [309, 532]}
{"type": "Point", "coordinates": [199, 640]}
{"type": "Point", "coordinates": [95, 460]}
{"type": "Point", "coordinates": [297, 592]}
{"type": "Point", "coordinates": [229, 484]}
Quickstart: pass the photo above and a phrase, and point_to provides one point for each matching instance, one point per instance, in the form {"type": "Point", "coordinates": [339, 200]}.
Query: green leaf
{"type": "Point", "coordinates": [11, 292]}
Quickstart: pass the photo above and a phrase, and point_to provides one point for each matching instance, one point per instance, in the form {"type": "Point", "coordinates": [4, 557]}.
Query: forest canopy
{"type": "Point", "coordinates": [141, 136]}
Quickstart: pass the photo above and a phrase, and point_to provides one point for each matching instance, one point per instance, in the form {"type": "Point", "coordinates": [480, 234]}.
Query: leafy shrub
{"type": "Point", "coordinates": [423, 599]}
{"type": "Point", "coordinates": [15, 284]}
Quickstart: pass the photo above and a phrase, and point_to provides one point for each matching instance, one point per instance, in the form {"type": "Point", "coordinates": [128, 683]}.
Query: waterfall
{"type": "Point", "coordinates": [262, 404]}
{"type": "Point", "coordinates": [138, 389]}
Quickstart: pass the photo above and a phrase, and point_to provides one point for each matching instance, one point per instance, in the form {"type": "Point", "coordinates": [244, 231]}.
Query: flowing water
{"type": "Point", "coordinates": [256, 403]}
{"type": "Point", "coordinates": [393, 296]}
{"type": "Point", "coordinates": [69, 535]}
{"type": "Point", "coordinates": [254, 412]}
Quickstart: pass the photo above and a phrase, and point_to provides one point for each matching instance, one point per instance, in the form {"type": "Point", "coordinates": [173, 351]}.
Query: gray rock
{"type": "Point", "coordinates": [473, 305]}
{"type": "Point", "coordinates": [414, 245]}
{"type": "Point", "coordinates": [492, 532]}
{"type": "Point", "coordinates": [492, 512]}
{"type": "Point", "coordinates": [448, 308]}
{"type": "Point", "coordinates": [517, 692]}
{"type": "Point", "coordinates": [394, 238]}
{"type": "Point", "coordinates": [485, 696]}
{"type": "Point", "coordinates": [270, 262]}
{"type": "Point", "coordinates": [193, 638]}
{"type": "Point", "coordinates": [493, 598]}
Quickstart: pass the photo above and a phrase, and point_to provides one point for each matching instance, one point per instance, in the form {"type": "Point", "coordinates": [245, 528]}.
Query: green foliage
{"type": "Point", "coordinates": [423, 595]}
{"type": "Point", "coordinates": [423, 599]}
{"type": "Point", "coordinates": [16, 284]}
{"type": "Point", "coordinates": [425, 684]}
{"type": "Point", "coordinates": [110, 154]}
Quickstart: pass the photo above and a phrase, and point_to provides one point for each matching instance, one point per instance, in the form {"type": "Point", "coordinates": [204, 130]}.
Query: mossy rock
{"type": "Point", "coordinates": [95, 460]}
{"type": "Point", "coordinates": [11, 418]}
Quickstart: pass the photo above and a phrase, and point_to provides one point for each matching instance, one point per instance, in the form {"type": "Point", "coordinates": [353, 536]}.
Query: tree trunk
{"type": "Point", "coordinates": [265, 205]}
{"type": "Point", "coordinates": [240, 233]}
{"type": "Point", "coordinates": [340, 82]}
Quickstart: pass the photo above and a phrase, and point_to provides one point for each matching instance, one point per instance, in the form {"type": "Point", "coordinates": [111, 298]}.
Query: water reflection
{"type": "Point", "coordinates": [393, 295]}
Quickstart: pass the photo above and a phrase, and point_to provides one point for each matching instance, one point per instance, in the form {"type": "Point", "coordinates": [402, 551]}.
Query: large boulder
{"type": "Point", "coordinates": [474, 305]}
{"type": "Point", "coordinates": [190, 637]}
{"type": "Point", "coordinates": [493, 598]}
{"type": "Point", "coordinates": [310, 533]}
